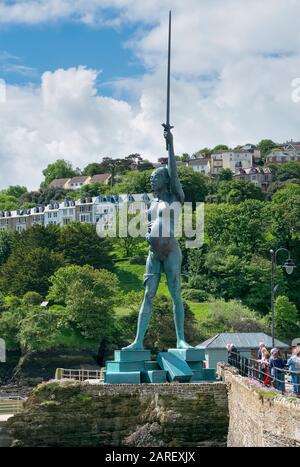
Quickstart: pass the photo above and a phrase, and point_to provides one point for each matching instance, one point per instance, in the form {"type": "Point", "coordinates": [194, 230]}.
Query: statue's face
{"type": "Point", "coordinates": [158, 180]}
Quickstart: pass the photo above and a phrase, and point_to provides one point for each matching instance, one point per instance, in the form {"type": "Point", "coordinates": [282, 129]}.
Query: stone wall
{"type": "Point", "coordinates": [259, 417]}
{"type": "Point", "coordinates": [80, 414]}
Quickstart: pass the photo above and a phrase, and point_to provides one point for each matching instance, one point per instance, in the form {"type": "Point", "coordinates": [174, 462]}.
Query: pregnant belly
{"type": "Point", "coordinates": [161, 245]}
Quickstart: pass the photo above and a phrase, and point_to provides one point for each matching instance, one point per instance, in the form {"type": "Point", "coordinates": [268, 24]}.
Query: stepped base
{"type": "Point", "coordinates": [133, 377]}
{"type": "Point", "coordinates": [176, 368]}
{"type": "Point", "coordinates": [189, 355]}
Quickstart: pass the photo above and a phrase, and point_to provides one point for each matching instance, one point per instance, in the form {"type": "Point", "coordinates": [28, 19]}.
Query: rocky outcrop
{"type": "Point", "coordinates": [74, 414]}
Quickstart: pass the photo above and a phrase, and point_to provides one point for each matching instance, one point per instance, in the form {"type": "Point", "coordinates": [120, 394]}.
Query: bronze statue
{"type": "Point", "coordinates": [164, 251]}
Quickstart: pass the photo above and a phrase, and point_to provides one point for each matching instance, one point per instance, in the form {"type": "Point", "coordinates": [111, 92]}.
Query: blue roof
{"type": "Point", "coordinates": [242, 340]}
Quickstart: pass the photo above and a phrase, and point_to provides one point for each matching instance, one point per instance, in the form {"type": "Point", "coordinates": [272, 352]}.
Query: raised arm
{"type": "Point", "coordinates": [175, 184]}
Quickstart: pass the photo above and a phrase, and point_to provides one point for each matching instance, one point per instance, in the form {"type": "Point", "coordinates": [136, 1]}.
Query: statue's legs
{"type": "Point", "coordinates": [151, 281]}
{"type": "Point", "coordinates": [172, 267]}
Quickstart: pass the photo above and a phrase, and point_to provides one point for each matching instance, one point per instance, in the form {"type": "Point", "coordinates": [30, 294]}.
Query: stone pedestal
{"type": "Point", "coordinates": [132, 367]}
{"type": "Point", "coordinates": [136, 366]}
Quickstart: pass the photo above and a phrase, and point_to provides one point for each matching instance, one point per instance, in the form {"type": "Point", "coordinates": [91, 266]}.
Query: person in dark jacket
{"type": "Point", "coordinates": [277, 364]}
{"type": "Point", "coordinates": [233, 356]}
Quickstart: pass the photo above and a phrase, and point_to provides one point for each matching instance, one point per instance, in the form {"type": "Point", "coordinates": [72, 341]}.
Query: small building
{"type": "Point", "coordinates": [200, 165]}
{"type": "Point", "coordinates": [246, 343]}
{"type": "Point", "coordinates": [261, 177]}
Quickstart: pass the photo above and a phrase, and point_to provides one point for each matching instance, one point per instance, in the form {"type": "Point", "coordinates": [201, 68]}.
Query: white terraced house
{"type": "Point", "coordinates": [85, 210]}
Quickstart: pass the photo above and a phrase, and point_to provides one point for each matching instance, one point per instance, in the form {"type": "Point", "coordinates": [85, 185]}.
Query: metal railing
{"type": "Point", "coordinates": [11, 405]}
{"type": "Point", "coordinates": [79, 374]}
{"type": "Point", "coordinates": [281, 379]}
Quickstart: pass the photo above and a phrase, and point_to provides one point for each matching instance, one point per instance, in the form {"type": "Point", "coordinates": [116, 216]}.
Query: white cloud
{"type": "Point", "coordinates": [233, 64]}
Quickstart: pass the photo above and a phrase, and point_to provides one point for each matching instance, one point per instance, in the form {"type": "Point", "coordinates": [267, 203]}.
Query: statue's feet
{"type": "Point", "coordinates": [181, 344]}
{"type": "Point", "coordinates": [134, 346]}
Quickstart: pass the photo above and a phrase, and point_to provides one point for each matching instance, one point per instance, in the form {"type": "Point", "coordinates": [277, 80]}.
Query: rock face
{"type": "Point", "coordinates": [80, 414]}
{"type": "Point", "coordinates": [259, 417]}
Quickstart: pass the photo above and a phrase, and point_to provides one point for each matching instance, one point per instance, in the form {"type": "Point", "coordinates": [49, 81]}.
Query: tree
{"type": "Point", "coordinates": [90, 296]}
{"type": "Point", "coordinates": [7, 202]}
{"type": "Point", "coordinates": [237, 191]}
{"type": "Point", "coordinates": [38, 330]}
{"type": "Point", "coordinates": [15, 190]}
{"type": "Point", "coordinates": [288, 171]}
{"type": "Point", "coordinates": [29, 270]}
{"type": "Point", "coordinates": [225, 175]}
{"type": "Point", "coordinates": [94, 168]}
{"type": "Point", "coordinates": [285, 210]}
{"type": "Point", "coordinates": [220, 148]}
{"type": "Point", "coordinates": [229, 317]}
{"type": "Point", "coordinates": [94, 189]}
{"type": "Point", "coordinates": [134, 182]}
{"type": "Point", "coordinates": [6, 242]}
{"type": "Point", "coordinates": [80, 244]}
{"type": "Point", "coordinates": [265, 146]}
{"type": "Point", "coordinates": [58, 169]}
{"type": "Point", "coordinates": [185, 157]}
{"type": "Point", "coordinates": [195, 185]}
{"type": "Point", "coordinates": [287, 325]}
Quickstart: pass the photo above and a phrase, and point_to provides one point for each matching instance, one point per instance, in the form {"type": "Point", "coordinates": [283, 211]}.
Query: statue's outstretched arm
{"type": "Point", "coordinates": [175, 184]}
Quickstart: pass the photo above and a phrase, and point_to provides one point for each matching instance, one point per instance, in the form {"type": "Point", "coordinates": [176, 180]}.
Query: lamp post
{"type": "Point", "coordinates": [289, 266]}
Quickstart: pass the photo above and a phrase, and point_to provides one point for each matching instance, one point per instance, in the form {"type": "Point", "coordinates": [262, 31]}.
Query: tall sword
{"type": "Point", "coordinates": [167, 125]}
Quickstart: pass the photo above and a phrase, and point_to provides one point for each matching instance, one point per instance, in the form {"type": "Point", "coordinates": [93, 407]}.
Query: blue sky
{"type": "Point", "coordinates": [233, 70]}
{"type": "Point", "coordinates": [26, 51]}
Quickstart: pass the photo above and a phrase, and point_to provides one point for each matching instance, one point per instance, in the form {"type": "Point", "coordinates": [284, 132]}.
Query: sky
{"type": "Point", "coordinates": [83, 79]}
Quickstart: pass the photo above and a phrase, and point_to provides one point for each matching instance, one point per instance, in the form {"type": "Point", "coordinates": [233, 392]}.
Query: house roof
{"type": "Point", "coordinates": [198, 162]}
{"type": "Point", "coordinates": [79, 179]}
{"type": "Point", "coordinates": [242, 340]}
{"type": "Point", "coordinates": [58, 182]}
{"type": "Point", "coordinates": [100, 178]}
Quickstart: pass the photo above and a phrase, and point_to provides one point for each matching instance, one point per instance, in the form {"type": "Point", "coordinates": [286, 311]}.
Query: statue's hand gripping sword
{"type": "Point", "coordinates": [167, 125]}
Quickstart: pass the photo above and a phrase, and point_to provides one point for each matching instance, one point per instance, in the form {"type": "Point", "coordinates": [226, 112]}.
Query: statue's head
{"type": "Point", "coordinates": [160, 179]}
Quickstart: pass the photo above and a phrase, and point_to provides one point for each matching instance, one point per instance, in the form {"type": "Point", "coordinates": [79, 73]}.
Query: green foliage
{"type": "Point", "coordinates": [89, 296]}
{"type": "Point", "coordinates": [29, 270]}
{"type": "Point", "coordinates": [58, 169]}
{"type": "Point", "coordinates": [92, 169]}
{"type": "Point", "coordinates": [6, 242]}
{"type": "Point", "coordinates": [80, 244]}
{"type": "Point", "coordinates": [288, 171]}
{"type": "Point", "coordinates": [245, 225]}
{"type": "Point", "coordinates": [15, 190]}
{"type": "Point", "coordinates": [285, 209]}
{"type": "Point", "coordinates": [95, 189]}
{"type": "Point", "coordinates": [220, 148]}
{"type": "Point", "coordinates": [7, 202]}
{"type": "Point", "coordinates": [32, 298]}
{"type": "Point", "coordinates": [265, 146]}
{"type": "Point", "coordinates": [225, 175]}
{"type": "Point", "coordinates": [229, 317]}
{"type": "Point", "coordinates": [287, 319]}
{"type": "Point", "coordinates": [195, 295]}
{"type": "Point", "coordinates": [194, 184]}
{"type": "Point", "coordinates": [38, 329]}
{"type": "Point", "coordinates": [237, 191]}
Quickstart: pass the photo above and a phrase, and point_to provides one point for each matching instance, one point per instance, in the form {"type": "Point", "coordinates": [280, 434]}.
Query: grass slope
{"type": "Point", "coordinates": [131, 279]}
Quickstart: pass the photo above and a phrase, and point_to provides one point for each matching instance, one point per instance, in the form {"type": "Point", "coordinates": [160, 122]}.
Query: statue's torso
{"type": "Point", "coordinates": [161, 226]}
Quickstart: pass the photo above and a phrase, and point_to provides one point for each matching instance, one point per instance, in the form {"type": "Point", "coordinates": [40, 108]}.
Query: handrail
{"type": "Point", "coordinates": [79, 374]}
{"type": "Point", "coordinates": [262, 372]}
